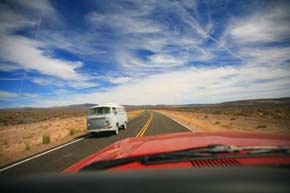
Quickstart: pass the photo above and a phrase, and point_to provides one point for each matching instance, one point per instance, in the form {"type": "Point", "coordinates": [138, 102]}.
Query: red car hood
{"type": "Point", "coordinates": [132, 147]}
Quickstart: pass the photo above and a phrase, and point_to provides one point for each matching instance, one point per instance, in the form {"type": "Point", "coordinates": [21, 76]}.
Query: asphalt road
{"type": "Point", "coordinates": [149, 123]}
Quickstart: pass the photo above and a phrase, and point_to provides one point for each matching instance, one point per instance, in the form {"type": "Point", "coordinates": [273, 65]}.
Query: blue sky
{"type": "Point", "coordinates": [142, 52]}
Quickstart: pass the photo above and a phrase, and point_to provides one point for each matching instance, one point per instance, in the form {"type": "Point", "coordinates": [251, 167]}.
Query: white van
{"type": "Point", "coordinates": [107, 117]}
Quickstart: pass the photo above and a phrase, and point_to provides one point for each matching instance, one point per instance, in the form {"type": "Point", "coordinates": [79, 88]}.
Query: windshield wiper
{"type": "Point", "coordinates": [217, 151]}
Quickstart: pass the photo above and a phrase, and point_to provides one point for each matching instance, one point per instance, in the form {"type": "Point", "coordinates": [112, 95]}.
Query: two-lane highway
{"type": "Point", "coordinates": [56, 160]}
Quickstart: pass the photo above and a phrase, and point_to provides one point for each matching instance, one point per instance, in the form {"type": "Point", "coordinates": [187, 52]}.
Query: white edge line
{"type": "Point", "coordinates": [38, 155]}
{"type": "Point", "coordinates": [192, 130]}
{"type": "Point", "coordinates": [41, 154]}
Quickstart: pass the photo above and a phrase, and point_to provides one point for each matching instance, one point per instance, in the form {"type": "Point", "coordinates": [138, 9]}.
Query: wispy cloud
{"type": "Point", "coordinates": [156, 52]}
{"type": "Point", "coordinates": [7, 95]}
{"type": "Point", "coordinates": [119, 80]}
{"type": "Point", "coordinates": [27, 53]}
{"type": "Point", "coordinates": [189, 86]}
{"type": "Point", "coordinates": [263, 27]}
{"type": "Point", "coordinates": [77, 84]}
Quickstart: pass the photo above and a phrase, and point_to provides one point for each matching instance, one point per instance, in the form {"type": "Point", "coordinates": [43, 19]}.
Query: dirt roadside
{"type": "Point", "coordinates": [20, 141]}
{"type": "Point", "coordinates": [216, 123]}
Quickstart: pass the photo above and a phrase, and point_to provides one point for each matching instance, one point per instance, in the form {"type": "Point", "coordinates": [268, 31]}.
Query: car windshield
{"type": "Point", "coordinates": [99, 111]}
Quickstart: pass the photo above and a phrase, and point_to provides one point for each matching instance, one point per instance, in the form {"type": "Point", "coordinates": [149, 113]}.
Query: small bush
{"type": "Point", "coordinates": [268, 113]}
{"type": "Point", "coordinates": [20, 122]}
{"type": "Point", "coordinates": [72, 132]}
{"type": "Point", "coordinates": [82, 129]}
{"type": "Point", "coordinates": [27, 147]}
{"type": "Point", "coordinates": [44, 126]}
{"type": "Point", "coordinates": [206, 117]}
{"type": "Point", "coordinates": [262, 126]}
{"type": "Point", "coordinates": [45, 139]}
{"type": "Point", "coordinates": [233, 119]}
{"type": "Point", "coordinates": [217, 122]}
{"type": "Point", "coordinates": [216, 112]}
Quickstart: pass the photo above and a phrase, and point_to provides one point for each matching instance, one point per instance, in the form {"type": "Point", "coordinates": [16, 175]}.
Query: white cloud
{"type": "Point", "coordinates": [4, 95]}
{"type": "Point", "coordinates": [263, 72]}
{"type": "Point", "coordinates": [10, 96]}
{"type": "Point", "coordinates": [27, 53]}
{"type": "Point", "coordinates": [19, 52]}
{"type": "Point", "coordinates": [168, 60]}
{"type": "Point", "coordinates": [37, 9]}
{"type": "Point", "coordinates": [274, 56]}
{"type": "Point", "coordinates": [30, 95]}
{"type": "Point", "coordinates": [269, 26]}
{"type": "Point", "coordinates": [124, 23]}
{"type": "Point", "coordinates": [77, 84]}
{"type": "Point", "coordinates": [8, 67]}
{"type": "Point", "coordinates": [35, 5]}
{"type": "Point", "coordinates": [195, 85]}
{"type": "Point", "coordinates": [119, 80]}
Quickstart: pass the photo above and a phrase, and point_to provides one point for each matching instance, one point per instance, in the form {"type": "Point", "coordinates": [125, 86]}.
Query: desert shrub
{"type": "Point", "coordinates": [269, 113]}
{"type": "Point", "coordinates": [44, 126]}
{"type": "Point", "coordinates": [20, 122]}
{"type": "Point", "coordinates": [262, 126]}
{"type": "Point", "coordinates": [277, 116]}
{"type": "Point", "coordinates": [216, 112]}
{"type": "Point", "coordinates": [27, 147]}
{"type": "Point", "coordinates": [242, 113]}
{"type": "Point", "coordinates": [217, 122]}
{"type": "Point", "coordinates": [46, 139]}
{"type": "Point", "coordinates": [72, 132]}
{"type": "Point", "coordinates": [12, 117]}
{"type": "Point", "coordinates": [206, 117]}
{"type": "Point", "coordinates": [233, 118]}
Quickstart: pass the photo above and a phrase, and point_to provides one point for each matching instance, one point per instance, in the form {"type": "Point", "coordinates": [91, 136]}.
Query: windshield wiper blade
{"type": "Point", "coordinates": [285, 150]}
{"type": "Point", "coordinates": [147, 159]}
{"type": "Point", "coordinates": [208, 152]}
{"type": "Point", "coordinates": [217, 151]}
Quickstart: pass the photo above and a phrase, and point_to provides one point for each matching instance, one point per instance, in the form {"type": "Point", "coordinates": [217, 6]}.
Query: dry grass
{"type": "Point", "coordinates": [220, 122]}
{"type": "Point", "coordinates": [22, 140]}
{"type": "Point", "coordinates": [133, 114]}
{"type": "Point", "coordinates": [258, 111]}
{"type": "Point", "coordinates": [18, 117]}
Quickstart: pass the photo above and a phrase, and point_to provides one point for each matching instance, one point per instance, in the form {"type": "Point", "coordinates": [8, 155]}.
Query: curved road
{"type": "Point", "coordinates": [149, 123]}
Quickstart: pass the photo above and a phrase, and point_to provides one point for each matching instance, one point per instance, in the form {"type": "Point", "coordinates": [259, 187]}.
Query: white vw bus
{"type": "Point", "coordinates": [107, 117]}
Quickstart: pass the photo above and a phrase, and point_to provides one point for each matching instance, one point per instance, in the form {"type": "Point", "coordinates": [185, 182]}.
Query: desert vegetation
{"type": "Point", "coordinates": [38, 133]}
{"type": "Point", "coordinates": [257, 119]}
{"type": "Point", "coordinates": [276, 112]}
{"type": "Point", "coordinates": [30, 115]}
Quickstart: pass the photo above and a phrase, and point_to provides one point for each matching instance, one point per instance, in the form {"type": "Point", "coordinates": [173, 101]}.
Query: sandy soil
{"type": "Point", "coordinates": [27, 139]}
{"type": "Point", "coordinates": [212, 123]}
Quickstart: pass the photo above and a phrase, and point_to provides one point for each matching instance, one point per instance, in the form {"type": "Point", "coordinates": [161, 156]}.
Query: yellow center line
{"type": "Point", "coordinates": [145, 127]}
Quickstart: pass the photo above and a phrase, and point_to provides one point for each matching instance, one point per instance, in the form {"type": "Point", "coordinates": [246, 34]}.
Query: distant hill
{"type": "Point", "coordinates": [258, 102]}
{"type": "Point", "coordinates": [77, 106]}
{"type": "Point", "coordinates": [238, 103]}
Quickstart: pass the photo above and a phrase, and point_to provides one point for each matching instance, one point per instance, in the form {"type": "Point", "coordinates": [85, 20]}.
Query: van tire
{"type": "Point", "coordinates": [125, 126]}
